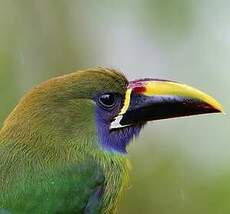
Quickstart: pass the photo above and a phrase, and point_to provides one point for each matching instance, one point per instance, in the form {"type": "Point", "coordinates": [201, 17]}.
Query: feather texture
{"type": "Point", "coordinates": [51, 157]}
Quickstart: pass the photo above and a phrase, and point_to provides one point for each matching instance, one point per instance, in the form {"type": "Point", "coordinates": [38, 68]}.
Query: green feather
{"type": "Point", "coordinates": [50, 157]}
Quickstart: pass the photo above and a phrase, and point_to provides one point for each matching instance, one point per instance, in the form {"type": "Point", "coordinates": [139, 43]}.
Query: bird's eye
{"type": "Point", "coordinates": [107, 100]}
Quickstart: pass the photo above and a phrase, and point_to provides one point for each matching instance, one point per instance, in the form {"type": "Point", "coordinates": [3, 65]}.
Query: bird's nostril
{"type": "Point", "coordinates": [139, 89]}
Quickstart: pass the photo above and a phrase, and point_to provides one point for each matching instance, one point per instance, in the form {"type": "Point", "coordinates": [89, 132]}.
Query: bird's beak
{"type": "Point", "coordinates": [151, 99]}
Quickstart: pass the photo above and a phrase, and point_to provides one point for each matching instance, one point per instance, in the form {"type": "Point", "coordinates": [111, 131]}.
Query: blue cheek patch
{"type": "Point", "coordinates": [115, 140]}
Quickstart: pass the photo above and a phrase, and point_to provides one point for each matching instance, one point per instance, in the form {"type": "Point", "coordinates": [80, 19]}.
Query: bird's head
{"type": "Point", "coordinates": [102, 103]}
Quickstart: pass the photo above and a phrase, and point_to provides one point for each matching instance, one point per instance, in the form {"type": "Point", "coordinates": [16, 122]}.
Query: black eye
{"type": "Point", "coordinates": [107, 100]}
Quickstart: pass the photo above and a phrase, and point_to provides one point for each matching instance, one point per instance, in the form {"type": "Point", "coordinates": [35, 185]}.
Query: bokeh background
{"type": "Point", "coordinates": [179, 166]}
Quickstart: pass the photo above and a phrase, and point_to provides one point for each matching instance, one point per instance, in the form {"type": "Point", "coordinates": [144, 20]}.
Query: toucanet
{"type": "Point", "coordinates": [63, 147]}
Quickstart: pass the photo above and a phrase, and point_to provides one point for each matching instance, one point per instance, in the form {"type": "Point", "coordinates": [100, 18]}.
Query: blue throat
{"type": "Point", "coordinates": [115, 140]}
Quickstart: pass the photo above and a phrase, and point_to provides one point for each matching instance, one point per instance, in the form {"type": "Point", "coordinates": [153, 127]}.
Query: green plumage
{"type": "Point", "coordinates": [50, 157]}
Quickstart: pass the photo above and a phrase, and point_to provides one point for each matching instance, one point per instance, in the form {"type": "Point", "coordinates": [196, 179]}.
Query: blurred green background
{"type": "Point", "coordinates": [179, 166]}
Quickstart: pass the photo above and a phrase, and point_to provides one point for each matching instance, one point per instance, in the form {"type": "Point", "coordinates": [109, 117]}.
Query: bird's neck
{"type": "Point", "coordinates": [37, 153]}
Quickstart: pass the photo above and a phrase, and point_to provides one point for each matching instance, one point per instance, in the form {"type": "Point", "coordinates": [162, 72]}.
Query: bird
{"type": "Point", "coordinates": [63, 148]}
